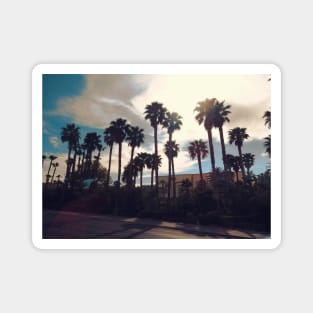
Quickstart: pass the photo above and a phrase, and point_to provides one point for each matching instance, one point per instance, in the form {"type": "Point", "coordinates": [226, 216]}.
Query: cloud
{"type": "Point", "coordinates": [54, 141]}
{"type": "Point", "coordinates": [104, 99]}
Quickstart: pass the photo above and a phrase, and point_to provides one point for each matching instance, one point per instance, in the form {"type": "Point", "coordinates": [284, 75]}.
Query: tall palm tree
{"type": "Point", "coordinates": [267, 118]}
{"type": "Point", "coordinates": [172, 122]}
{"type": "Point", "coordinates": [69, 134]}
{"type": "Point", "coordinates": [135, 137]}
{"type": "Point", "coordinates": [109, 141]}
{"type": "Point", "coordinates": [238, 135]}
{"type": "Point", "coordinates": [205, 116]}
{"type": "Point", "coordinates": [198, 149]}
{"type": "Point", "coordinates": [119, 132]}
{"type": "Point", "coordinates": [155, 113]}
{"type": "Point", "coordinates": [267, 145]}
{"type": "Point", "coordinates": [220, 116]}
{"type": "Point", "coordinates": [171, 150]}
{"type": "Point", "coordinates": [51, 158]}
{"type": "Point", "coordinates": [248, 161]}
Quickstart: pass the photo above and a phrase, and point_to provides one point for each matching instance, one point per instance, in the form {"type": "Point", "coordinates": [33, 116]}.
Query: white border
{"type": "Point", "coordinates": [269, 243]}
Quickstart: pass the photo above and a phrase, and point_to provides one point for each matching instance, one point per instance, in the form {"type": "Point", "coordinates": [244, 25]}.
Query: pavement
{"type": "Point", "coordinates": [72, 225]}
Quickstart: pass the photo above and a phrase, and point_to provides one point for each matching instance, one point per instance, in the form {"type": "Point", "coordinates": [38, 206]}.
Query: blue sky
{"type": "Point", "coordinates": [92, 101]}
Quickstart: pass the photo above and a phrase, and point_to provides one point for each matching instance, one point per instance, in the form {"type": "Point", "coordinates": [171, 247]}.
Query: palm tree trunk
{"type": "Point", "coordinates": [83, 163]}
{"type": "Point", "coordinates": [47, 180]}
{"type": "Point", "coordinates": [174, 180]}
{"type": "Point", "coordinates": [200, 165]}
{"type": "Point", "coordinates": [223, 147]}
{"type": "Point", "coordinates": [53, 175]}
{"type": "Point", "coordinates": [211, 150]}
{"type": "Point", "coordinates": [169, 178]}
{"type": "Point", "coordinates": [141, 178]}
{"type": "Point", "coordinates": [241, 163]}
{"type": "Point", "coordinates": [109, 167]}
{"type": "Point", "coordinates": [74, 162]}
{"type": "Point", "coordinates": [131, 163]}
{"type": "Point", "coordinates": [152, 173]}
{"type": "Point", "coordinates": [78, 165]}
{"type": "Point", "coordinates": [68, 164]}
{"type": "Point", "coordinates": [237, 176]}
{"type": "Point", "coordinates": [156, 156]}
{"type": "Point", "coordinates": [119, 163]}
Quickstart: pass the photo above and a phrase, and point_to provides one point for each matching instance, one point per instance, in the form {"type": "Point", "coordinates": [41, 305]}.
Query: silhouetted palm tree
{"type": "Point", "coordinates": [55, 165]}
{"type": "Point", "coordinates": [119, 130]}
{"type": "Point", "coordinates": [109, 140]}
{"type": "Point", "coordinates": [267, 118]}
{"type": "Point", "coordinates": [91, 141]}
{"type": "Point", "coordinates": [248, 161]}
{"type": "Point", "coordinates": [171, 150]}
{"type": "Point", "coordinates": [155, 113]}
{"type": "Point", "coordinates": [43, 159]}
{"type": "Point", "coordinates": [51, 158]}
{"type": "Point", "coordinates": [267, 145]}
{"type": "Point", "coordinates": [69, 134]}
{"type": "Point", "coordinates": [140, 163]}
{"type": "Point", "coordinates": [198, 149]}
{"type": "Point", "coordinates": [129, 174]}
{"type": "Point", "coordinates": [233, 162]}
{"type": "Point", "coordinates": [135, 137]}
{"type": "Point", "coordinates": [238, 135]}
{"type": "Point", "coordinates": [172, 122]}
{"type": "Point", "coordinates": [79, 152]}
{"type": "Point", "coordinates": [205, 115]}
{"type": "Point", "coordinates": [220, 116]}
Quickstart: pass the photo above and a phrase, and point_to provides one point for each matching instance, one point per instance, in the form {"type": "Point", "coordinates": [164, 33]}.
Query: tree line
{"type": "Point", "coordinates": [83, 158]}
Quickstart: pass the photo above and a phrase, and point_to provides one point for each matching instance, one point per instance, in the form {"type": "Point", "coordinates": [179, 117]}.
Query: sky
{"type": "Point", "coordinates": [92, 101]}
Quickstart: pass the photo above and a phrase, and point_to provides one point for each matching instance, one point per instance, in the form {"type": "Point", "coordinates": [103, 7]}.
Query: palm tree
{"type": "Point", "coordinates": [205, 115]}
{"type": "Point", "coordinates": [267, 118]}
{"type": "Point", "coordinates": [238, 135]}
{"type": "Point", "coordinates": [135, 137]}
{"type": "Point", "coordinates": [69, 134]}
{"type": "Point", "coordinates": [129, 175]}
{"type": "Point", "coordinates": [172, 122]}
{"type": "Point", "coordinates": [119, 129]}
{"type": "Point", "coordinates": [109, 140]}
{"type": "Point", "coordinates": [267, 145]}
{"type": "Point", "coordinates": [149, 165]}
{"type": "Point", "coordinates": [220, 116]}
{"type": "Point", "coordinates": [197, 149]}
{"type": "Point", "coordinates": [248, 161]}
{"type": "Point", "coordinates": [43, 159]}
{"type": "Point", "coordinates": [51, 158]}
{"type": "Point", "coordinates": [55, 165]}
{"type": "Point", "coordinates": [79, 152]}
{"type": "Point", "coordinates": [155, 113]}
{"type": "Point", "coordinates": [233, 162]}
{"type": "Point", "coordinates": [171, 150]}
{"type": "Point", "coordinates": [140, 163]}
{"type": "Point", "coordinates": [91, 141]}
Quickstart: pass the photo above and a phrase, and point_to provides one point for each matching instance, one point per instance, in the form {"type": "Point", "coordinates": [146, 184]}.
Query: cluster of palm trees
{"type": "Point", "coordinates": [267, 139]}
{"type": "Point", "coordinates": [83, 162]}
{"type": "Point", "coordinates": [50, 178]}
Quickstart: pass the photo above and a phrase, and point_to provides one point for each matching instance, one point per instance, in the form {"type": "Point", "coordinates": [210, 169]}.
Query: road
{"type": "Point", "coordinates": [72, 225]}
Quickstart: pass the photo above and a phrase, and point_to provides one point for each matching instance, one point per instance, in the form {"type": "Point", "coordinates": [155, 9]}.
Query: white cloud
{"type": "Point", "coordinates": [54, 141]}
